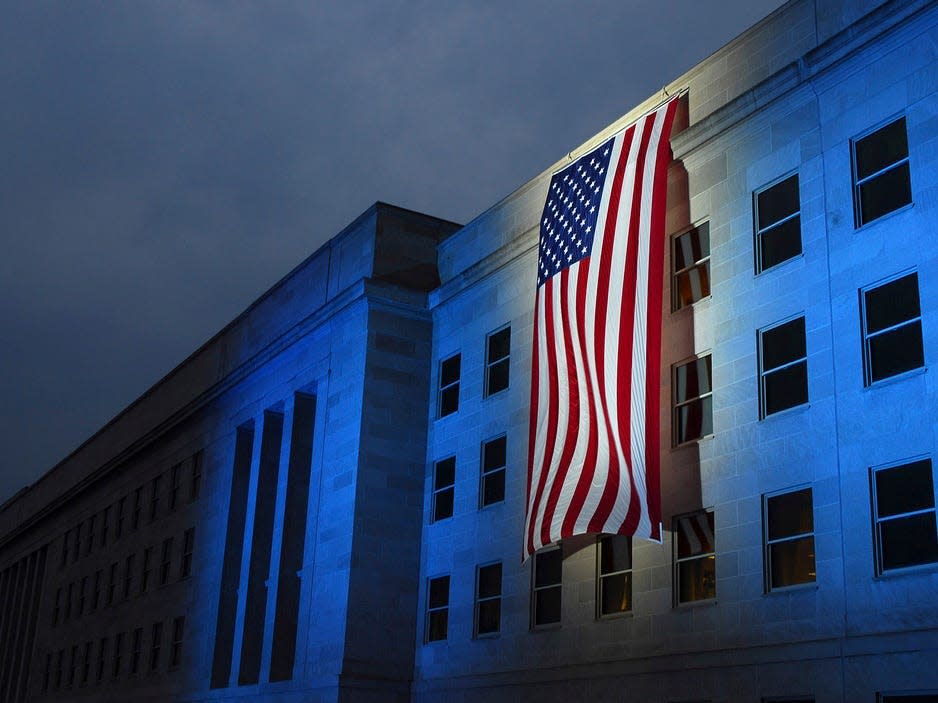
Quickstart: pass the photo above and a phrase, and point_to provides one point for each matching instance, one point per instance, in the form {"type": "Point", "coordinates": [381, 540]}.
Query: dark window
{"type": "Point", "coordinates": [102, 654]}
{"type": "Point", "coordinates": [437, 608]}
{"type": "Point", "coordinates": [96, 591]}
{"type": "Point", "coordinates": [59, 657]}
{"type": "Point", "coordinates": [615, 575]}
{"type": "Point", "coordinates": [119, 527]}
{"type": "Point", "coordinates": [175, 652]}
{"type": "Point", "coordinates": [86, 663]}
{"type": "Point", "coordinates": [82, 595]}
{"type": "Point", "coordinates": [188, 545]}
{"type": "Point", "coordinates": [904, 516]}
{"type": "Point", "coordinates": [73, 665]}
{"type": "Point", "coordinates": [105, 524]}
{"type": "Point", "coordinates": [111, 583]}
{"type": "Point", "coordinates": [69, 594]}
{"type": "Point", "coordinates": [195, 487]}
{"type": "Point", "coordinates": [694, 559]}
{"type": "Point", "coordinates": [488, 606]}
{"type": "Point", "coordinates": [692, 417]}
{"type": "Point", "coordinates": [494, 460]}
{"type": "Point", "coordinates": [778, 223]}
{"type": "Point", "coordinates": [136, 648]}
{"type": "Point", "coordinates": [166, 560]}
{"type": "Point", "coordinates": [783, 367]}
{"type": "Point", "coordinates": [128, 575]}
{"type": "Point", "coordinates": [448, 400]}
{"type": "Point", "coordinates": [546, 587]}
{"type": "Point", "coordinates": [789, 539]}
{"type": "Point", "coordinates": [47, 672]}
{"type": "Point", "coordinates": [156, 642]}
{"type": "Point", "coordinates": [690, 277]}
{"type": "Point", "coordinates": [76, 543]}
{"type": "Point", "coordinates": [175, 478]}
{"type": "Point", "coordinates": [89, 538]}
{"type": "Point", "coordinates": [881, 172]}
{"type": "Point", "coordinates": [64, 557]}
{"type": "Point", "coordinates": [145, 572]}
{"type": "Point", "coordinates": [892, 329]}
{"type": "Point", "coordinates": [909, 698]}
{"type": "Point", "coordinates": [116, 662]}
{"type": "Point", "coordinates": [497, 351]}
{"type": "Point", "coordinates": [57, 608]}
{"type": "Point", "coordinates": [135, 515]}
{"type": "Point", "coordinates": [444, 478]}
{"type": "Point", "coordinates": [155, 498]}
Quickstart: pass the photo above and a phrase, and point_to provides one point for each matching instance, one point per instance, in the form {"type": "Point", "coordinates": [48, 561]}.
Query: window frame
{"type": "Point", "coordinates": [431, 610]}
{"type": "Point", "coordinates": [601, 576]}
{"type": "Point", "coordinates": [437, 490]}
{"type": "Point", "coordinates": [491, 364]}
{"type": "Point", "coordinates": [868, 379]}
{"type": "Point", "coordinates": [452, 386]}
{"type": "Point", "coordinates": [479, 600]}
{"type": "Point", "coordinates": [676, 404]}
{"type": "Point", "coordinates": [188, 548]}
{"type": "Point", "coordinates": [759, 233]}
{"type": "Point", "coordinates": [768, 542]}
{"type": "Point", "coordinates": [175, 649]}
{"type": "Point", "coordinates": [703, 261]}
{"type": "Point", "coordinates": [876, 520]}
{"type": "Point", "coordinates": [487, 474]}
{"type": "Point", "coordinates": [678, 560]}
{"type": "Point", "coordinates": [765, 373]}
{"type": "Point", "coordinates": [535, 589]}
{"type": "Point", "coordinates": [857, 182]}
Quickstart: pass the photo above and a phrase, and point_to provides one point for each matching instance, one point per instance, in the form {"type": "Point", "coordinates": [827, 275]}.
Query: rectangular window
{"type": "Point", "coordinates": [437, 609]}
{"type": "Point", "coordinates": [175, 478]}
{"type": "Point", "coordinates": [57, 608]}
{"type": "Point", "coordinates": [497, 352]}
{"type": "Point", "coordinates": [547, 587]}
{"type": "Point", "coordinates": [188, 545]}
{"type": "Point", "coordinates": [135, 514]}
{"type": "Point", "coordinates": [909, 698]}
{"type": "Point", "coordinates": [444, 478]}
{"type": "Point", "coordinates": [73, 665]}
{"type": "Point", "coordinates": [488, 605]}
{"type": "Point", "coordinates": [47, 672]}
{"type": "Point", "coordinates": [694, 557]}
{"type": "Point", "coordinates": [692, 416]}
{"type": "Point", "coordinates": [76, 544]}
{"type": "Point", "coordinates": [102, 654]}
{"type": "Point", "coordinates": [881, 182]}
{"type": "Point", "coordinates": [892, 329]}
{"type": "Point", "coordinates": [789, 539]}
{"type": "Point", "coordinates": [448, 397]}
{"type": "Point", "coordinates": [904, 522]}
{"type": "Point", "coordinates": [116, 660]}
{"type": "Point", "coordinates": [136, 648]}
{"type": "Point", "coordinates": [89, 539]}
{"type": "Point", "coordinates": [195, 485]}
{"type": "Point", "coordinates": [690, 266]}
{"type": "Point", "coordinates": [156, 642]}
{"type": "Point", "coordinates": [119, 527]}
{"type": "Point", "coordinates": [145, 572]}
{"type": "Point", "coordinates": [154, 498]}
{"type": "Point", "coordinates": [175, 652]}
{"type": "Point", "coordinates": [128, 575]}
{"type": "Point", "coordinates": [82, 595]}
{"type": "Point", "coordinates": [494, 460]}
{"type": "Point", "coordinates": [111, 583]}
{"type": "Point", "coordinates": [614, 581]}
{"type": "Point", "coordinates": [96, 591]}
{"type": "Point", "coordinates": [64, 557]}
{"type": "Point", "coordinates": [59, 659]}
{"type": "Point", "coordinates": [777, 211]}
{"type": "Point", "coordinates": [166, 560]}
{"type": "Point", "coordinates": [783, 367]}
{"type": "Point", "coordinates": [86, 663]}
{"type": "Point", "coordinates": [105, 524]}
{"type": "Point", "coordinates": [69, 594]}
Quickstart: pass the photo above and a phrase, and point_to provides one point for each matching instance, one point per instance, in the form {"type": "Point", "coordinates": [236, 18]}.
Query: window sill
{"type": "Point", "coordinates": [547, 627]}
{"type": "Point", "coordinates": [794, 588]}
{"type": "Point", "coordinates": [780, 266]}
{"type": "Point", "coordinates": [919, 569]}
{"type": "Point", "coordinates": [905, 375]}
{"type": "Point", "coordinates": [503, 391]}
{"type": "Point", "coordinates": [883, 218]}
{"type": "Point", "coordinates": [612, 617]}
{"type": "Point", "coordinates": [487, 636]}
{"type": "Point", "coordinates": [692, 442]}
{"type": "Point", "coordinates": [683, 310]}
{"type": "Point", "coordinates": [696, 604]}
{"type": "Point", "coordinates": [793, 410]}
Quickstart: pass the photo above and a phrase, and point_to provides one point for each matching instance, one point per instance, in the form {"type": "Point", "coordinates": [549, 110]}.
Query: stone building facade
{"type": "Point", "coordinates": [325, 502]}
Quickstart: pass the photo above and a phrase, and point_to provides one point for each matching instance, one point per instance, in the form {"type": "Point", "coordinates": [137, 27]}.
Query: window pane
{"type": "Point", "coordinates": [490, 580]}
{"type": "Point", "coordinates": [694, 534]}
{"type": "Point", "coordinates": [548, 568]}
{"type": "Point", "coordinates": [615, 554]}
{"type": "Point", "coordinates": [692, 246]}
{"type": "Point", "coordinates": [493, 488]}
{"type": "Point", "coordinates": [443, 504]}
{"type": "Point", "coordinates": [692, 379]}
{"type": "Point", "coordinates": [892, 303]}
{"type": "Point", "coordinates": [439, 592]}
{"type": "Point", "coordinates": [783, 344]}
{"type": "Point", "coordinates": [615, 593]}
{"type": "Point", "coordinates": [883, 147]}
{"type": "Point", "coordinates": [790, 514]}
{"type": "Point", "coordinates": [489, 615]}
{"type": "Point", "coordinates": [449, 400]}
{"type": "Point", "coordinates": [909, 541]}
{"type": "Point", "coordinates": [449, 370]}
{"type": "Point", "coordinates": [897, 351]}
{"type": "Point", "coordinates": [696, 580]}
{"type": "Point", "coordinates": [884, 193]}
{"type": "Point", "coordinates": [904, 489]}
{"type": "Point", "coordinates": [497, 377]}
{"type": "Point", "coordinates": [694, 420]}
{"type": "Point", "coordinates": [499, 345]}
{"type": "Point", "coordinates": [778, 202]}
{"type": "Point", "coordinates": [437, 625]}
{"type": "Point", "coordinates": [693, 285]}
{"type": "Point", "coordinates": [494, 454]}
{"type": "Point", "coordinates": [792, 562]}
{"type": "Point", "coordinates": [445, 472]}
{"type": "Point", "coordinates": [780, 243]}
{"type": "Point", "coordinates": [786, 388]}
{"type": "Point", "coordinates": [547, 606]}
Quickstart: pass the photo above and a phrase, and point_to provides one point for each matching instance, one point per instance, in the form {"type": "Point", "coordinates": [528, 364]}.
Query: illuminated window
{"type": "Point", "coordinates": [789, 539]}
{"type": "Point", "coordinates": [188, 545]}
{"type": "Point", "coordinates": [690, 266]}
{"type": "Point", "coordinates": [494, 460]}
{"type": "Point", "coordinates": [892, 329]}
{"type": "Point", "coordinates": [175, 652]}
{"type": "Point", "coordinates": [448, 398]}
{"type": "Point", "coordinates": [497, 352]}
{"type": "Point", "coordinates": [444, 477]}
{"type": "Point", "coordinates": [881, 182]}
{"type": "Point", "coordinates": [547, 587]}
{"type": "Point", "coordinates": [778, 223]}
{"type": "Point", "coordinates": [783, 367]}
{"type": "Point", "coordinates": [614, 580]}
{"type": "Point", "coordinates": [437, 618]}
{"type": "Point", "coordinates": [692, 416]}
{"type": "Point", "coordinates": [904, 516]}
{"type": "Point", "coordinates": [694, 557]}
{"type": "Point", "coordinates": [488, 605]}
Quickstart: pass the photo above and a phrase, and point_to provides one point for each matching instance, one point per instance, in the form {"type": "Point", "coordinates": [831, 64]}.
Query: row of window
{"type": "Point", "coordinates": [497, 358]}
{"type": "Point", "coordinates": [85, 594]}
{"type": "Point", "coordinates": [95, 531]}
{"type": "Point", "coordinates": [94, 661]}
{"type": "Point", "coordinates": [492, 479]}
{"type": "Point", "coordinates": [904, 529]}
{"type": "Point", "coordinates": [891, 321]}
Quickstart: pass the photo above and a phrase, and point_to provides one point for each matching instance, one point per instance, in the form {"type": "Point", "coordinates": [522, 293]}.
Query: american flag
{"type": "Point", "coordinates": [593, 444]}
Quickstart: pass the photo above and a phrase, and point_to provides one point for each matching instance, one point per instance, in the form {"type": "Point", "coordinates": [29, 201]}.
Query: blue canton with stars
{"type": "Point", "coordinates": [569, 219]}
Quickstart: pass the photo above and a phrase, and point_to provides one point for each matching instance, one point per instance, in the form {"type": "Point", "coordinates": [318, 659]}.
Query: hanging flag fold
{"type": "Point", "coordinates": [593, 454]}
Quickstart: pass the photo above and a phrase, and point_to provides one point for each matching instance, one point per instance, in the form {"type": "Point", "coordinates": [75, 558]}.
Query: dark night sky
{"type": "Point", "coordinates": [163, 164]}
